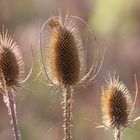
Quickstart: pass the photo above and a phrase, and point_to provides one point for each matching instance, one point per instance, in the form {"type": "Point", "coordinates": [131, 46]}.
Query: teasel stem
{"type": "Point", "coordinates": [11, 105]}
{"type": "Point", "coordinates": [117, 134]}
{"type": "Point", "coordinates": [67, 102]}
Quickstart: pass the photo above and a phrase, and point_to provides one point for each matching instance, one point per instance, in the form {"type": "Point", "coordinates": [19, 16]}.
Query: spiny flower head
{"type": "Point", "coordinates": [11, 62]}
{"type": "Point", "coordinates": [66, 56]}
{"type": "Point", "coordinates": [116, 104]}
{"type": "Point", "coordinates": [65, 50]}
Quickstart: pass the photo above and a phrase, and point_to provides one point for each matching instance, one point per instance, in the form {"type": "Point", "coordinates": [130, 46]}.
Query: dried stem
{"type": "Point", "coordinates": [67, 102]}
{"type": "Point", "coordinates": [10, 102]}
{"type": "Point", "coordinates": [117, 134]}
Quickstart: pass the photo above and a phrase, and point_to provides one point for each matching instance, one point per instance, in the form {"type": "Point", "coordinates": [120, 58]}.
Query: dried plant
{"type": "Point", "coordinates": [117, 106]}
{"type": "Point", "coordinates": [65, 66]}
{"type": "Point", "coordinates": [11, 75]}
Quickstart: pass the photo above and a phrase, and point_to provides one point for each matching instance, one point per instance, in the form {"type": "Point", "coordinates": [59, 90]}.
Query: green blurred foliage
{"type": "Point", "coordinates": [110, 14]}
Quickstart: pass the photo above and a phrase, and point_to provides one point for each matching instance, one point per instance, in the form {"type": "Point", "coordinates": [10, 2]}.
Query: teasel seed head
{"type": "Point", "coordinates": [11, 62]}
{"type": "Point", "coordinates": [66, 52]}
{"type": "Point", "coordinates": [65, 60]}
{"type": "Point", "coordinates": [116, 104]}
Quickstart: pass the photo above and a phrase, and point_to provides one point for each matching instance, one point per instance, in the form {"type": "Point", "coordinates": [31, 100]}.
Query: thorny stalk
{"type": "Point", "coordinates": [67, 105]}
{"type": "Point", "coordinates": [117, 134]}
{"type": "Point", "coordinates": [11, 105]}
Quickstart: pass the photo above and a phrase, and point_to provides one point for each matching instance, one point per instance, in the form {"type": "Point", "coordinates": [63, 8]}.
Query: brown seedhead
{"type": "Point", "coordinates": [116, 104]}
{"type": "Point", "coordinates": [11, 63]}
{"type": "Point", "coordinates": [65, 60]}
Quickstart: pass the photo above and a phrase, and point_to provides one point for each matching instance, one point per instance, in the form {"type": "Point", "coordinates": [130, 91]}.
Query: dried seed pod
{"type": "Point", "coordinates": [65, 47]}
{"type": "Point", "coordinates": [65, 59]}
{"type": "Point", "coordinates": [116, 104]}
{"type": "Point", "coordinates": [66, 51]}
{"type": "Point", "coordinates": [11, 62]}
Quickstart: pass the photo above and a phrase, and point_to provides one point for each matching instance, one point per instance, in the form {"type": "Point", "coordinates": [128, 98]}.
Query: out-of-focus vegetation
{"type": "Point", "coordinates": [117, 27]}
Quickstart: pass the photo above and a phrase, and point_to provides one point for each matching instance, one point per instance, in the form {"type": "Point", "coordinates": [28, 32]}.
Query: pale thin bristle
{"type": "Point", "coordinates": [116, 104]}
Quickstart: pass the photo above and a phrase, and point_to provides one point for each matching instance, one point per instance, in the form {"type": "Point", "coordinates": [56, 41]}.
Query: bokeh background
{"type": "Point", "coordinates": [116, 24]}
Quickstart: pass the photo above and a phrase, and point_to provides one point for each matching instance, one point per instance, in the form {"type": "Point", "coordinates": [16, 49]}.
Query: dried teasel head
{"type": "Point", "coordinates": [11, 62]}
{"type": "Point", "coordinates": [116, 104]}
{"type": "Point", "coordinates": [66, 53]}
{"type": "Point", "coordinates": [65, 57]}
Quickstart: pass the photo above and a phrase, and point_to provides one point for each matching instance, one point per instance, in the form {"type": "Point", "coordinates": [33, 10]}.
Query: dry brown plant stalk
{"type": "Point", "coordinates": [65, 61]}
{"type": "Point", "coordinates": [11, 75]}
{"type": "Point", "coordinates": [117, 106]}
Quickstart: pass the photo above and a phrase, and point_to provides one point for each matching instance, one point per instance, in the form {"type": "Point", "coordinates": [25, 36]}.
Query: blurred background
{"type": "Point", "coordinates": [116, 25]}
